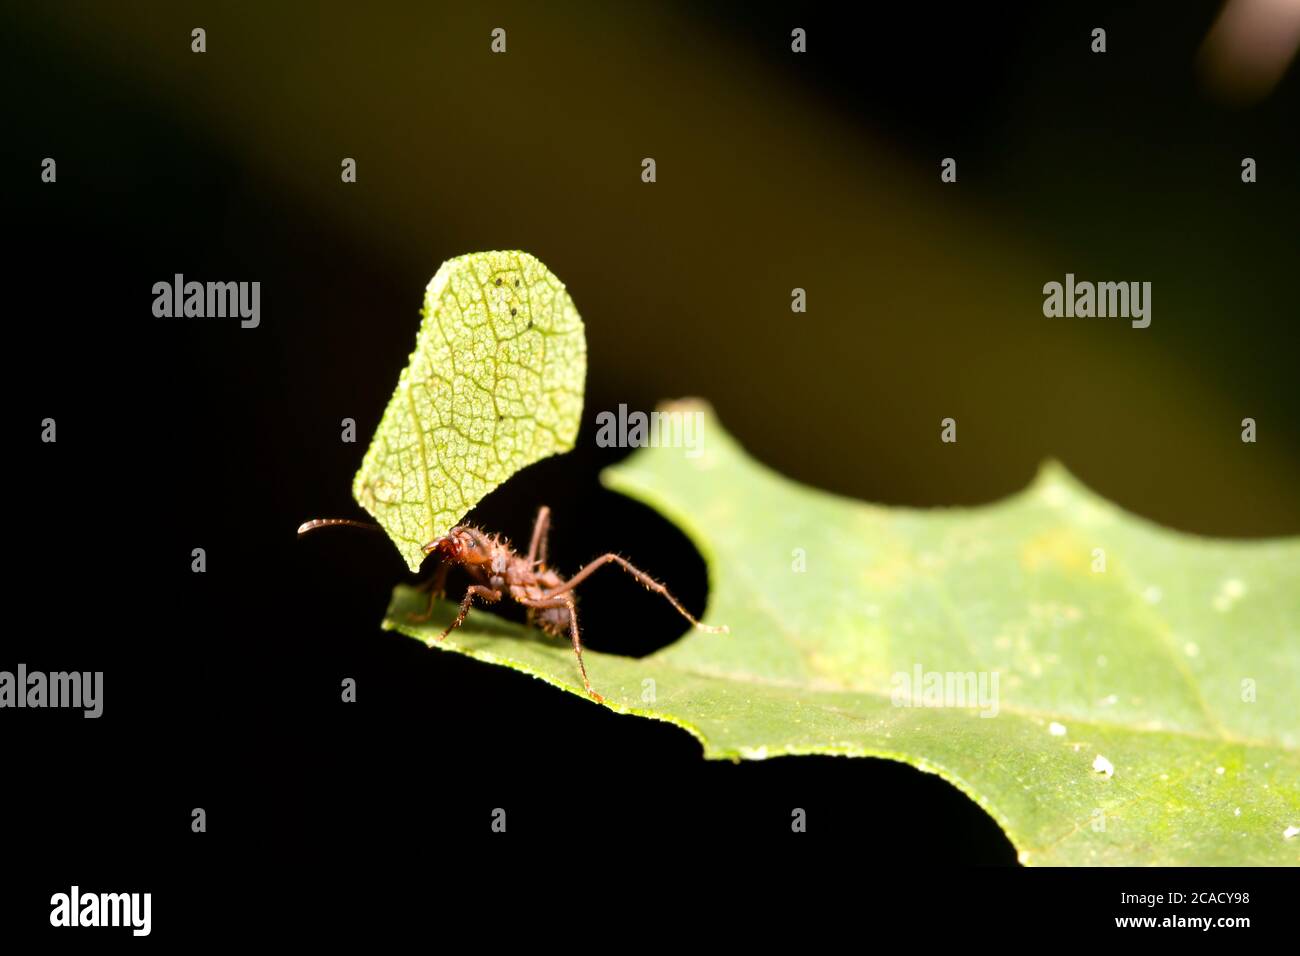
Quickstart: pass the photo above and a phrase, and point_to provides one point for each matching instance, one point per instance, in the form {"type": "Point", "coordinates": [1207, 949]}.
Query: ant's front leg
{"type": "Point", "coordinates": [437, 587]}
{"type": "Point", "coordinates": [486, 593]}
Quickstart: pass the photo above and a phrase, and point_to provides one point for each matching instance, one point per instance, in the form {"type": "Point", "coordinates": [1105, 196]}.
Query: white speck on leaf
{"type": "Point", "coordinates": [1055, 729]}
{"type": "Point", "coordinates": [1231, 591]}
{"type": "Point", "coordinates": [1220, 771]}
{"type": "Point", "coordinates": [1103, 767]}
{"type": "Point", "coordinates": [1289, 832]}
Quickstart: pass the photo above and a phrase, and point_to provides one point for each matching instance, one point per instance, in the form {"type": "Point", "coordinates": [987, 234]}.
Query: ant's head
{"type": "Point", "coordinates": [462, 545]}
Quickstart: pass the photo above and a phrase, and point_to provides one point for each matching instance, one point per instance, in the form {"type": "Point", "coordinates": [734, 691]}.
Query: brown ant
{"type": "Point", "coordinates": [498, 571]}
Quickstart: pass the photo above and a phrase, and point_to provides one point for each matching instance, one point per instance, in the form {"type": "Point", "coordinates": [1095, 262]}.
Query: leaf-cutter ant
{"type": "Point", "coordinates": [499, 572]}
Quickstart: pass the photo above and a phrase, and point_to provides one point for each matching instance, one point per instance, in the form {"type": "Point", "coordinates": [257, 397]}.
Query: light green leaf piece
{"type": "Point", "coordinates": [495, 383]}
{"type": "Point", "coordinates": [1109, 691]}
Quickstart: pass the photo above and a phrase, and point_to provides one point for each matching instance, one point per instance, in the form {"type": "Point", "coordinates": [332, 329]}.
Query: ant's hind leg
{"type": "Point", "coordinates": [643, 578]}
{"type": "Point", "coordinates": [577, 645]}
{"type": "Point", "coordinates": [487, 594]}
{"type": "Point", "coordinates": [566, 600]}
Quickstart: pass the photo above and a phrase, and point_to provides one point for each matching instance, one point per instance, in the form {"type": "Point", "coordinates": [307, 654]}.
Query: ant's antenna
{"type": "Point", "coordinates": [334, 522]}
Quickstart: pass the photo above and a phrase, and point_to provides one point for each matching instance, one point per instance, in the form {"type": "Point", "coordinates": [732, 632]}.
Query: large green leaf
{"type": "Point", "coordinates": [1146, 713]}
{"type": "Point", "coordinates": [495, 383]}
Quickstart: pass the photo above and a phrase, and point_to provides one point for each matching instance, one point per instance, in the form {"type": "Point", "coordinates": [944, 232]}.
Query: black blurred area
{"type": "Point", "coordinates": [775, 171]}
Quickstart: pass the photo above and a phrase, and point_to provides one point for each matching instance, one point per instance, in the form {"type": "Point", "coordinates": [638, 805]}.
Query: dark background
{"type": "Point", "coordinates": [774, 171]}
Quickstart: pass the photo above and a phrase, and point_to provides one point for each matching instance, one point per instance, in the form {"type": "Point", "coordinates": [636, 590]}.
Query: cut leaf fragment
{"type": "Point", "coordinates": [495, 383]}
{"type": "Point", "coordinates": [1145, 706]}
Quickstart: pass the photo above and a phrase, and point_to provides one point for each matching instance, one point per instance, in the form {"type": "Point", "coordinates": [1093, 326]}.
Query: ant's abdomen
{"type": "Point", "coordinates": [553, 620]}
